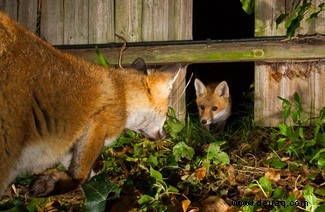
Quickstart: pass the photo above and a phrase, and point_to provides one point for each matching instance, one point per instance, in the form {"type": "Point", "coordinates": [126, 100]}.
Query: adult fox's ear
{"type": "Point", "coordinates": [139, 64]}
{"type": "Point", "coordinates": [172, 71]}
{"type": "Point", "coordinates": [222, 89]}
{"type": "Point", "coordinates": [199, 88]}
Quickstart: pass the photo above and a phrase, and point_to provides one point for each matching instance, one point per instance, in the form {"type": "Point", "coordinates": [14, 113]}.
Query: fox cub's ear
{"type": "Point", "coordinates": [222, 89]}
{"type": "Point", "coordinates": [139, 64]}
{"type": "Point", "coordinates": [199, 88]}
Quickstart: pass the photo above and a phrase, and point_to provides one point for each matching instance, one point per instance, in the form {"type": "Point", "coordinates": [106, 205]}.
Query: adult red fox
{"type": "Point", "coordinates": [53, 105]}
{"type": "Point", "coordinates": [214, 103]}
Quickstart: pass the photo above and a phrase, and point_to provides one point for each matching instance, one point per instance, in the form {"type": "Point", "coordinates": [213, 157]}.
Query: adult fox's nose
{"type": "Point", "coordinates": [159, 135]}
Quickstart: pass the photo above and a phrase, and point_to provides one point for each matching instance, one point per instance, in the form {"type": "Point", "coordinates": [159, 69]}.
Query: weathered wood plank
{"type": "Point", "coordinates": [27, 14]}
{"type": "Point", "coordinates": [24, 12]}
{"type": "Point", "coordinates": [213, 52]}
{"type": "Point", "coordinates": [266, 110]}
{"type": "Point", "coordinates": [10, 7]}
{"type": "Point", "coordinates": [76, 23]}
{"type": "Point", "coordinates": [180, 17]}
{"type": "Point", "coordinates": [128, 17]}
{"type": "Point", "coordinates": [315, 26]}
{"type": "Point", "coordinates": [52, 26]}
{"type": "Point", "coordinates": [266, 84]}
{"type": "Point", "coordinates": [155, 20]}
{"type": "Point", "coordinates": [101, 21]}
{"type": "Point", "coordinates": [266, 11]}
{"type": "Point", "coordinates": [319, 85]}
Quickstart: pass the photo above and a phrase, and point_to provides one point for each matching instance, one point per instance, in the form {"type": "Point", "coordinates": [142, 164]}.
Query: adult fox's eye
{"type": "Point", "coordinates": [202, 107]}
{"type": "Point", "coordinates": [214, 108]}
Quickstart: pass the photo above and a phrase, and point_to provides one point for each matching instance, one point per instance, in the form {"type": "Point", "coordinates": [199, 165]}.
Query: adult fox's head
{"type": "Point", "coordinates": [147, 104]}
{"type": "Point", "coordinates": [214, 103]}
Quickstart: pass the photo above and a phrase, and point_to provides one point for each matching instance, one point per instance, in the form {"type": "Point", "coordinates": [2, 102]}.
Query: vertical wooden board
{"type": "Point", "coordinates": [319, 76]}
{"type": "Point", "coordinates": [128, 19]}
{"type": "Point", "coordinates": [266, 12]}
{"type": "Point", "coordinates": [180, 28]}
{"type": "Point", "coordinates": [315, 26]}
{"type": "Point", "coordinates": [180, 20]}
{"type": "Point", "coordinates": [52, 21]}
{"type": "Point", "coordinates": [177, 99]}
{"type": "Point", "coordinates": [76, 22]}
{"type": "Point", "coordinates": [101, 21]}
{"type": "Point", "coordinates": [303, 86]}
{"type": "Point", "coordinates": [27, 14]}
{"type": "Point", "coordinates": [267, 111]}
{"type": "Point", "coordinates": [320, 21]}
{"type": "Point", "coordinates": [10, 7]}
{"type": "Point", "coordinates": [267, 107]}
{"type": "Point", "coordinates": [155, 20]}
{"type": "Point", "coordinates": [265, 15]}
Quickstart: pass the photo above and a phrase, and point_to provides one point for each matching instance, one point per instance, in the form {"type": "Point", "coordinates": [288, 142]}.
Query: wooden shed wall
{"type": "Point", "coordinates": [97, 21]}
{"type": "Point", "coordinates": [285, 78]}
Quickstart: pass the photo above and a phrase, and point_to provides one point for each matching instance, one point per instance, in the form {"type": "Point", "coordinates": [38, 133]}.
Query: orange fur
{"type": "Point", "coordinates": [214, 103]}
{"type": "Point", "coordinates": [54, 105]}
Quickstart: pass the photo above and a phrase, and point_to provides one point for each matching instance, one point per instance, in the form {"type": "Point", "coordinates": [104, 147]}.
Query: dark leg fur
{"type": "Point", "coordinates": [52, 184]}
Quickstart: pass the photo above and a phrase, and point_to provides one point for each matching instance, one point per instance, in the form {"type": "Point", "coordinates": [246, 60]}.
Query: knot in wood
{"type": "Point", "coordinates": [258, 52]}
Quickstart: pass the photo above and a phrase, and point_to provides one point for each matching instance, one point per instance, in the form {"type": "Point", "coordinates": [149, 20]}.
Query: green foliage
{"type": "Point", "coordinates": [101, 58]}
{"type": "Point", "coordinates": [248, 6]}
{"type": "Point", "coordinates": [293, 20]}
{"type": "Point", "coordinates": [16, 204]}
{"type": "Point", "coordinates": [153, 167]}
{"type": "Point", "coordinates": [292, 137]}
{"type": "Point", "coordinates": [310, 197]}
{"type": "Point", "coordinates": [97, 191]}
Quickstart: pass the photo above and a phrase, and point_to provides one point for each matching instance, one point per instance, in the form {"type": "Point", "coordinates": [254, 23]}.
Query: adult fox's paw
{"type": "Point", "coordinates": [52, 184]}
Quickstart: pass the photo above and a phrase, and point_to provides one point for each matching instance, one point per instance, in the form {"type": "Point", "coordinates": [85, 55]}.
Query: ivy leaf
{"type": "Point", "coordinates": [266, 184]}
{"type": "Point", "coordinates": [145, 199]}
{"type": "Point", "coordinates": [182, 150]}
{"type": "Point", "coordinates": [277, 163]}
{"type": "Point", "coordinates": [156, 174]}
{"type": "Point", "coordinates": [248, 6]}
{"type": "Point", "coordinates": [213, 151]}
{"type": "Point", "coordinates": [310, 197]}
{"type": "Point", "coordinates": [280, 19]}
{"type": "Point", "coordinates": [278, 193]}
{"type": "Point", "coordinates": [97, 191]}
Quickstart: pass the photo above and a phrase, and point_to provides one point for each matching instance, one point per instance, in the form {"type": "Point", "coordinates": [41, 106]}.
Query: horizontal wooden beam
{"type": "Point", "coordinates": [213, 52]}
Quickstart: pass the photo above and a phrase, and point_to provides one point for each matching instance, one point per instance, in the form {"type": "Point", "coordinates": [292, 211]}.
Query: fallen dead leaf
{"type": "Point", "coordinates": [231, 175]}
{"type": "Point", "coordinates": [272, 174]}
{"type": "Point", "coordinates": [200, 173]}
{"type": "Point", "coordinates": [185, 204]}
{"type": "Point", "coordinates": [214, 204]}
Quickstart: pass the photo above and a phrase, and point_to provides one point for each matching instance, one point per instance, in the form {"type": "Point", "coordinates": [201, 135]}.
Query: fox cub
{"type": "Point", "coordinates": [214, 103]}
{"type": "Point", "coordinates": [56, 106]}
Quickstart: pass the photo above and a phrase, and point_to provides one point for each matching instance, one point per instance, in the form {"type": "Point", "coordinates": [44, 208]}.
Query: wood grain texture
{"type": "Point", "coordinates": [128, 19]}
{"type": "Point", "coordinates": [52, 21]}
{"type": "Point", "coordinates": [288, 75]}
{"type": "Point", "coordinates": [76, 22]}
{"type": "Point", "coordinates": [244, 51]}
{"type": "Point", "coordinates": [101, 21]}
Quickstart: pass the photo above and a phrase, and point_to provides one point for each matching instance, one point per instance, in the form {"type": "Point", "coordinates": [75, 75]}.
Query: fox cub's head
{"type": "Point", "coordinates": [213, 102]}
{"type": "Point", "coordinates": [148, 111]}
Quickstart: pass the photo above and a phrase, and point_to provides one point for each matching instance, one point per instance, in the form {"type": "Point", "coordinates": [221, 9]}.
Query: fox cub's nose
{"type": "Point", "coordinates": [204, 121]}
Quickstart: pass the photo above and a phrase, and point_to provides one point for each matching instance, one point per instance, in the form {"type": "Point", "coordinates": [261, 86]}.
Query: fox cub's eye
{"type": "Point", "coordinates": [214, 108]}
{"type": "Point", "coordinates": [202, 107]}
